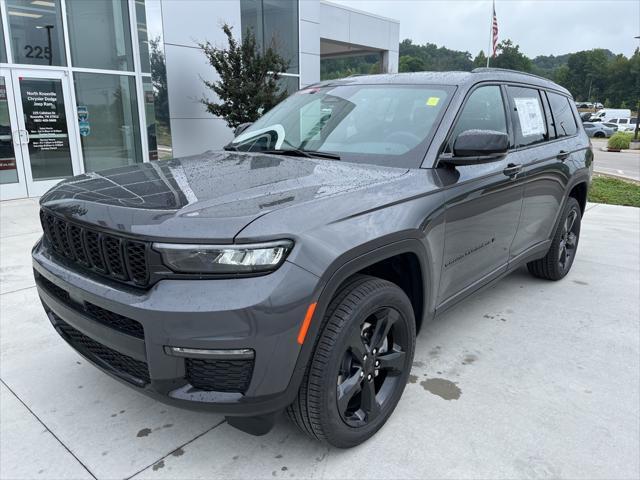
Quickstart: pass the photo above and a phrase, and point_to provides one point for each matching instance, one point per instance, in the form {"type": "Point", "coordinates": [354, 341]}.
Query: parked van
{"type": "Point", "coordinates": [607, 114]}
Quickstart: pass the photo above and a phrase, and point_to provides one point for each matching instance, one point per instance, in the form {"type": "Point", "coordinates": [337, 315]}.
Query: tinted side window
{"type": "Point", "coordinates": [623, 120]}
{"type": "Point", "coordinates": [484, 110]}
{"type": "Point", "coordinates": [528, 116]}
{"type": "Point", "coordinates": [564, 121]}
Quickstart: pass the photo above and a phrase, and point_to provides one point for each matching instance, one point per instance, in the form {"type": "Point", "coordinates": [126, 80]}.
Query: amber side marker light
{"type": "Point", "coordinates": [305, 324]}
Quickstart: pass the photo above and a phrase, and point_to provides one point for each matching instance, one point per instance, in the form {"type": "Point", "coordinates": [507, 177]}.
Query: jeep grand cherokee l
{"type": "Point", "coordinates": [292, 271]}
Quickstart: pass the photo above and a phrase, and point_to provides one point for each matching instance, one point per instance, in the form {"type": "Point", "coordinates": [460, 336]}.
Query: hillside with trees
{"type": "Point", "coordinates": [596, 75]}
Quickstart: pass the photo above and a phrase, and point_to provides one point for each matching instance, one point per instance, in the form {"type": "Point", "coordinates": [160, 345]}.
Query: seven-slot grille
{"type": "Point", "coordinates": [119, 258]}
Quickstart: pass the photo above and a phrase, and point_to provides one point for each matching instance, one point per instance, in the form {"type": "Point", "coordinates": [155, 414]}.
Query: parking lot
{"type": "Point", "coordinates": [528, 379]}
{"type": "Point", "coordinates": [620, 164]}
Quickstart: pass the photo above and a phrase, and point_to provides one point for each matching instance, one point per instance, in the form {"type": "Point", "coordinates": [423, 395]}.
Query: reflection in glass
{"type": "Point", "coordinates": [275, 24]}
{"type": "Point", "coordinates": [158, 130]}
{"type": "Point", "coordinates": [3, 50]}
{"type": "Point", "coordinates": [149, 19]}
{"type": "Point", "coordinates": [289, 84]}
{"type": "Point", "coordinates": [45, 121]}
{"type": "Point", "coordinates": [35, 29]}
{"type": "Point", "coordinates": [110, 133]}
{"type": "Point", "coordinates": [99, 34]}
{"type": "Point", "coordinates": [8, 172]}
{"type": "Point", "coordinates": [143, 35]}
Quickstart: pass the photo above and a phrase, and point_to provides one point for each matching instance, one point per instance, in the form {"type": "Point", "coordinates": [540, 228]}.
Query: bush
{"type": "Point", "coordinates": [620, 140]}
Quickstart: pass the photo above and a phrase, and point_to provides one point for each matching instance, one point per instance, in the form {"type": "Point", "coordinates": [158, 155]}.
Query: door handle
{"type": "Point", "coordinates": [563, 155]}
{"type": "Point", "coordinates": [512, 170]}
{"type": "Point", "coordinates": [17, 137]}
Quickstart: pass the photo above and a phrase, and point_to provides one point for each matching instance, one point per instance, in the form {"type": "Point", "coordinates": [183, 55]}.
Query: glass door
{"type": "Point", "coordinates": [44, 129]}
{"type": "Point", "coordinates": [12, 181]}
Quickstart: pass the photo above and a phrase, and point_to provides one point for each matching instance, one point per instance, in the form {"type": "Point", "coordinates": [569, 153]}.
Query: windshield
{"type": "Point", "coordinates": [379, 124]}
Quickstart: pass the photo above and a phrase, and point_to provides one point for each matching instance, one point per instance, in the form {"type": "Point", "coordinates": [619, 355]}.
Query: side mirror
{"type": "Point", "coordinates": [241, 128]}
{"type": "Point", "coordinates": [478, 146]}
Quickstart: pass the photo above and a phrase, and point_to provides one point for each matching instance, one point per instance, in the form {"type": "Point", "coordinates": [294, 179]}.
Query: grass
{"type": "Point", "coordinates": [614, 192]}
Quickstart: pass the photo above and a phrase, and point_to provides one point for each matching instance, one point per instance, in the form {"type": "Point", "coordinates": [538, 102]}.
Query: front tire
{"type": "Point", "coordinates": [557, 263]}
{"type": "Point", "coordinates": [360, 365]}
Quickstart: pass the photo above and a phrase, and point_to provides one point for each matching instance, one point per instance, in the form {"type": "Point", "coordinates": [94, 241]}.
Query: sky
{"type": "Point", "coordinates": [540, 27]}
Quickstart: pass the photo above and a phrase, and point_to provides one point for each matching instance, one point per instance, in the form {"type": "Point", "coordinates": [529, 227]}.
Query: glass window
{"type": "Point", "coordinates": [563, 120]}
{"type": "Point", "coordinates": [3, 50]}
{"type": "Point", "coordinates": [528, 116]}
{"type": "Point", "coordinates": [100, 34]}
{"type": "Point", "coordinates": [8, 172]}
{"type": "Point", "coordinates": [157, 116]}
{"type": "Point", "coordinates": [289, 84]}
{"type": "Point", "coordinates": [484, 110]}
{"type": "Point", "coordinates": [379, 124]}
{"type": "Point", "coordinates": [623, 121]}
{"type": "Point", "coordinates": [35, 30]}
{"type": "Point", "coordinates": [108, 116]}
{"type": "Point", "coordinates": [149, 19]}
{"type": "Point", "coordinates": [275, 24]}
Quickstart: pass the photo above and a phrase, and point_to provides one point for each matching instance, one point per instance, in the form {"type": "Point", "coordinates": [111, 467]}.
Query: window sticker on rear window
{"type": "Point", "coordinates": [530, 116]}
{"type": "Point", "coordinates": [433, 101]}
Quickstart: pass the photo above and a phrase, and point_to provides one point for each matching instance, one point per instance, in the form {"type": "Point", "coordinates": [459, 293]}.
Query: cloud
{"type": "Point", "coordinates": [540, 27]}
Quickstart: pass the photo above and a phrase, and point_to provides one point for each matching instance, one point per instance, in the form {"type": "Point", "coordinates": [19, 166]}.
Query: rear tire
{"type": "Point", "coordinates": [599, 135]}
{"type": "Point", "coordinates": [360, 365]}
{"type": "Point", "coordinates": [558, 260]}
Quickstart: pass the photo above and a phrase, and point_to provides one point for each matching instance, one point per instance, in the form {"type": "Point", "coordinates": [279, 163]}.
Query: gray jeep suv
{"type": "Point", "coordinates": [292, 271]}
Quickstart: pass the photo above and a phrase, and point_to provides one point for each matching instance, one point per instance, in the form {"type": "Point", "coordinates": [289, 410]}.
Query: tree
{"type": "Point", "coordinates": [480, 60]}
{"type": "Point", "coordinates": [248, 82]}
{"type": "Point", "coordinates": [511, 57]}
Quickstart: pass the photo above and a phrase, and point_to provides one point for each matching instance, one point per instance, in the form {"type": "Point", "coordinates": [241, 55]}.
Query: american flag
{"type": "Point", "coordinates": [494, 31]}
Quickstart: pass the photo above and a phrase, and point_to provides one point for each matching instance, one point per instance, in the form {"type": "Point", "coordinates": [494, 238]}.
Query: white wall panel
{"type": "Point", "coordinates": [334, 22]}
{"type": "Point", "coordinates": [194, 136]}
{"type": "Point", "coordinates": [185, 68]}
{"type": "Point", "coordinates": [309, 37]}
{"type": "Point", "coordinates": [309, 69]}
{"type": "Point", "coordinates": [186, 22]}
{"type": "Point", "coordinates": [369, 31]}
{"type": "Point", "coordinates": [310, 10]}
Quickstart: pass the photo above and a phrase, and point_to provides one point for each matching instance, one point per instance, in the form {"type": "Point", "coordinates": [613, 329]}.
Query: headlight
{"type": "Point", "coordinates": [249, 258]}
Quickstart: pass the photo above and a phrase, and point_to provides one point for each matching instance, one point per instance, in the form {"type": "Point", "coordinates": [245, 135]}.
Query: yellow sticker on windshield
{"type": "Point", "coordinates": [433, 101]}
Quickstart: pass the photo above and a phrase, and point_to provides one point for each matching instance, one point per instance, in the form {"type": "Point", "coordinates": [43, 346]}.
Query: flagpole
{"type": "Point", "coordinates": [490, 33]}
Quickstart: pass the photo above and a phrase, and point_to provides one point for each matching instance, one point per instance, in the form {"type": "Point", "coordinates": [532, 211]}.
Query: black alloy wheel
{"type": "Point", "coordinates": [568, 240]}
{"type": "Point", "coordinates": [371, 367]}
{"type": "Point", "coordinates": [360, 365]}
{"type": "Point", "coordinates": [564, 246]}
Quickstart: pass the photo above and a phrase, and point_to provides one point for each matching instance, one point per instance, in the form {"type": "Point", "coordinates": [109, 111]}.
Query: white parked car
{"type": "Point", "coordinates": [625, 124]}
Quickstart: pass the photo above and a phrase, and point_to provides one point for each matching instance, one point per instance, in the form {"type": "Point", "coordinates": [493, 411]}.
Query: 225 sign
{"type": "Point", "coordinates": [36, 51]}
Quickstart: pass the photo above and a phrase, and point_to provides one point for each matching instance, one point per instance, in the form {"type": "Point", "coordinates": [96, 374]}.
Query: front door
{"type": "Point", "coordinates": [483, 204]}
{"type": "Point", "coordinates": [35, 115]}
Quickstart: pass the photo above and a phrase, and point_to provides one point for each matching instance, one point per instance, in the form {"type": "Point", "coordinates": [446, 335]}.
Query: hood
{"type": "Point", "coordinates": [208, 197]}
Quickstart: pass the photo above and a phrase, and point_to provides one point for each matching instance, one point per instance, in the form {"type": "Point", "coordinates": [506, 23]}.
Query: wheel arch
{"type": "Point", "coordinates": [386, 262]}
{"type": "Point", "coordinates": [579, 192]}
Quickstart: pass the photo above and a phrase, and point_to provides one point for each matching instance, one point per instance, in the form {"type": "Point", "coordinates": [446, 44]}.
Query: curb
{"type": "Point", "coordinates": [626, 150]}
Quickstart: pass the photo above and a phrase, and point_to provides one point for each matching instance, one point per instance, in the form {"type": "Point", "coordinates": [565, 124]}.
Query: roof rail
{"type": "Point", "coordinates": [495, 69]}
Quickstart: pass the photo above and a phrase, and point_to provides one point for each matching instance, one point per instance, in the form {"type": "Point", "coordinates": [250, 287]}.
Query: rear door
{"type": "Point", "coordinates": [483, 203]}
{"type": "Point", "coordinates": [544, 148]}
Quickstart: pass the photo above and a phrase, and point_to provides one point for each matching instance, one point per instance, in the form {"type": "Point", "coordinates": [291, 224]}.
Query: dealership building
{"type": "Point", "coordinates": [87, 85]}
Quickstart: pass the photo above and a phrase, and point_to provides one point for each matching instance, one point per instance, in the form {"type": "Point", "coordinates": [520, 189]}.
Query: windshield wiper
{"type": "Point", "coordinates": [296, 152]}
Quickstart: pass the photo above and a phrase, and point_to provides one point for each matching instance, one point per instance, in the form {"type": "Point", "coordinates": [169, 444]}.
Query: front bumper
{"type": "Point", "coordinates": [261, 315]}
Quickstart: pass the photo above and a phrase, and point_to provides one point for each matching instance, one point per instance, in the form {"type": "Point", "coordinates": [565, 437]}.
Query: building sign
{"type": "Point", "coordinates": [44, 113]}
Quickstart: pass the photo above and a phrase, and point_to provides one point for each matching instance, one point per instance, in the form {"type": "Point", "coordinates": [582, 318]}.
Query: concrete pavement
{"type": "Point", "coordinates": [621, 164]}
{"type": "Point", "coordinates": [543, 382]}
